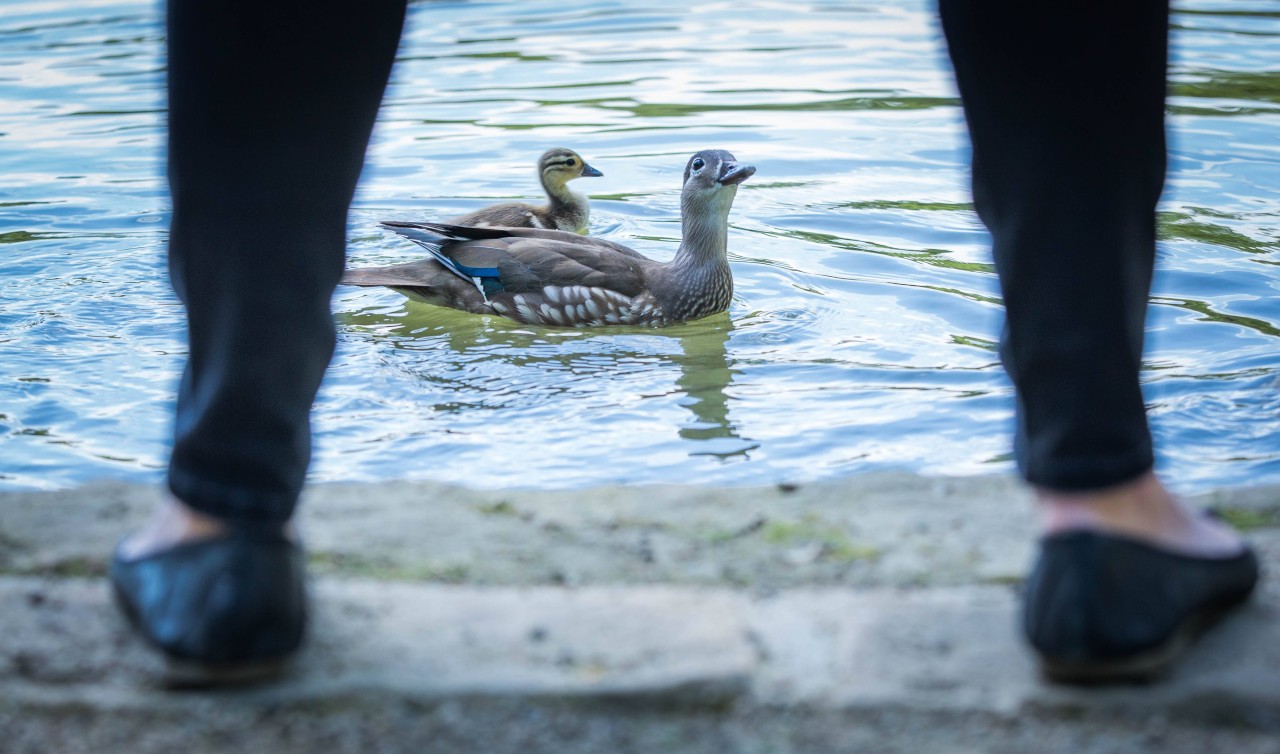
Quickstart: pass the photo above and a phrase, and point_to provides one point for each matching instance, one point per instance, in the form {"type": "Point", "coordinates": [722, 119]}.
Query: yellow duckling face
{"type": "Point", "coordinates": [558, 166]}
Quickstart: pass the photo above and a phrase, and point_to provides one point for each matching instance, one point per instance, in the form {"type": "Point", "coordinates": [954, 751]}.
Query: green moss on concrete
{"type": "Point", "coordinates": [385, 569]}
{"type": "Point", "coordinates": [66, 568]}
{"type": "Point", "coordinates": [809, 529]}
{"type": "Point", "coordinates": [1007, 579]}
{"type": "Point", "coordinates": [1248, 519]}
{"type": "Point", "coordinates": [499, 508]}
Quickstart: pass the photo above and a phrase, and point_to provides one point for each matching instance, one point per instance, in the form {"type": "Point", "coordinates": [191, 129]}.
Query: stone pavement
{"type": "Point", "coordinates": [873, 614]}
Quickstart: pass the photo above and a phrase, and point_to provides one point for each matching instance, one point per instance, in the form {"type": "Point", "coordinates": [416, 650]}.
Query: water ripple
{"type": "Point", "coordinates": [864, 325]}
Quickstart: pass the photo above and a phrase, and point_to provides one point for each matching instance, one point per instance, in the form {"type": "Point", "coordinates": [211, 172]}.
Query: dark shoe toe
{"type": "Point", "coordinates": [1102, 608]}
{"type": "Point", "coordinates": [218, 607]}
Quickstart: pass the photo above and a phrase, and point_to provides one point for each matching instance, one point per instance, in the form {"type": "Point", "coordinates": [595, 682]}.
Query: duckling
{"type": "Point", "coordinates": [566, 210]}
{"type": "Point", "coordinates": [550, 277]}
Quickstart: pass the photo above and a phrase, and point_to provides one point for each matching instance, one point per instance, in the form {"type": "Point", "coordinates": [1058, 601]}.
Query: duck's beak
{"type": "Point", "coordinates": [732, 173]}
{"type": "Point", "coordinates": [590, 172]}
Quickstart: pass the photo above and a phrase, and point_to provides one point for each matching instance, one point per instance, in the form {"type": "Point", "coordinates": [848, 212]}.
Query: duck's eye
{"type": "Point", "coordinates": [698, 164]}
{"type": "Point", "coordinates": [571, 162]}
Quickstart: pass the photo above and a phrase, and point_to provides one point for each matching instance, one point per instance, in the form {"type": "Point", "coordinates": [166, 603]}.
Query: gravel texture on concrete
{"type": "Point", "coordinates": [873, 614]}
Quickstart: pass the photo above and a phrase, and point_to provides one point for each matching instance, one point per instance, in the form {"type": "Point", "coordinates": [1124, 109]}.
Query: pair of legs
{"type": "Point", "coordinates": [271, 111]}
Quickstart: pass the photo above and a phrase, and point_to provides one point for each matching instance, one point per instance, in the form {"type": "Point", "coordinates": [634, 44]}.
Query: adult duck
{"type": "Point", "coordinates": [565, 209]}
{"type": "Point", "coordinates": [548, 277]}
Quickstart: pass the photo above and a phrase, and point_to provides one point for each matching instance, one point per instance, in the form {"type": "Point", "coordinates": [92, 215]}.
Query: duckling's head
{"type": "Point", "coordinates": [558, 166]}
{"type": "Point", "coordinates": [710, 182]}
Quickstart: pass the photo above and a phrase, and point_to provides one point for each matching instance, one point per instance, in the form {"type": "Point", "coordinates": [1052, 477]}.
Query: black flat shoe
{"type": "Point", "coordinates": [226, 610]}
{"type": "Point", "coordinates": [1100, 608]}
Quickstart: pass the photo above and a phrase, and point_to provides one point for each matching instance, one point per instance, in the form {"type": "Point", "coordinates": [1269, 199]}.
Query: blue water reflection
{"type": "Point", "coordinates": [862, 335]}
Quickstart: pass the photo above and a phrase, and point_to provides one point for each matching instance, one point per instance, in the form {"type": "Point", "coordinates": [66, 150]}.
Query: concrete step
{"type": "Point", "coordinates": [804, 660]}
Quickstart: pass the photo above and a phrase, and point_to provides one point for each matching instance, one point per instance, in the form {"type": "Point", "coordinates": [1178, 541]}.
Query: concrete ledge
{"type": "Point", "coordinates": [825, 651]}
{"type": "Point", "coordinates": [869, 531]}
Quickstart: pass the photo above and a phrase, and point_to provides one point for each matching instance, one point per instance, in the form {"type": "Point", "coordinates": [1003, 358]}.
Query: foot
{"type": "Point", "coordinates": [1143, 510]}
{"type": "Point", "coordinates": [1126, 579]}
{"type": "Point", "coordinates": [225, 604]}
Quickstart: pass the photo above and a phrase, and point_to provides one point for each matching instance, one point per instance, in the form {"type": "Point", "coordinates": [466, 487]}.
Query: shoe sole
{"type": "Point", "coordinates": [1144, 667]}
{"type": "Point", "coordinates": [183, 674]}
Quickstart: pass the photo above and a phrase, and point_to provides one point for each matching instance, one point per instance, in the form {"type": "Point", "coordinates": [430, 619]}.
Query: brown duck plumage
{"type": "Point", "coordinates": [549, 277]}
{"type": "Point", "coordinates": [565, 210]}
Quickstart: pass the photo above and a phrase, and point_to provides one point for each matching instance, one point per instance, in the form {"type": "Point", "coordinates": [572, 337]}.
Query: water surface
{"type": "Point", "coordinates": [863, 331]}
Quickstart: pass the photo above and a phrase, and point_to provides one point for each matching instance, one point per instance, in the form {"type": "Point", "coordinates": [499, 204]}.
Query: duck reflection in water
{"type": "Point", "coordinates": [699, 350]}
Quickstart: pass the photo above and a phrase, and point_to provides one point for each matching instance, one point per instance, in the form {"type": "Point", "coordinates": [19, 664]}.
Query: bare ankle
{"type": "Point", "coordinates": [173, 522]}
{"type": "Point", "coordinates": [1143, 509]}
{"type": "Point", "coordinates": [1136, 503]}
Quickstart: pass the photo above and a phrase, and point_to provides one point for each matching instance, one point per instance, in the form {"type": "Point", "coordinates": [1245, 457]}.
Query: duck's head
{"type": "Point", "coordinates": [711, 181]}
{"type": "Point", "coordinates": [558, 166]}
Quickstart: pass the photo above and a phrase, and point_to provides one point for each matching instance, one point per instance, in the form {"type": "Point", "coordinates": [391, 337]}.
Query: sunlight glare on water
{"type": "Point", "coordinates": [862, 335]}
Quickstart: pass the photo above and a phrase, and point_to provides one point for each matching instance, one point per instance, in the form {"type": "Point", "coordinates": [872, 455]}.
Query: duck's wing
{"type": "Point", "coordinates": [524, 260]}
{"type": "Point", "coordinates": [455, 232]}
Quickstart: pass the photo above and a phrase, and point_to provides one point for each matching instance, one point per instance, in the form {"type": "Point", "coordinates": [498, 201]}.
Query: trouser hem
{"type": "Point", "coordinates": [1090, 475]}
{"type": "Point", "coordinates": [228, 502]}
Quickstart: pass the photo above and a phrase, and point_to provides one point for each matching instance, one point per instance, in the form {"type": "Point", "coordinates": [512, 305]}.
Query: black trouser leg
{"type": "Point", "coordinates": [1065, 105]}
{"type": "Point", "coordinates": [271, 105]}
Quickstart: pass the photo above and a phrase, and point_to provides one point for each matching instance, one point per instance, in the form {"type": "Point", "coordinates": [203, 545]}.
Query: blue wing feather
{"type": "Point", "coordinates": [431, 241]}
{"type": "Point", "coordinates": [461, 269]}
